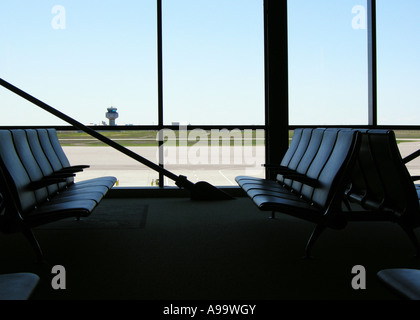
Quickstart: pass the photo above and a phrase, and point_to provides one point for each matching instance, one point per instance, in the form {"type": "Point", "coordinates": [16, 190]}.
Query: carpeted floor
{"type": "Point", "coordinates": [164, 249]}
{"type": "Point", "coordinates": [113, 216]}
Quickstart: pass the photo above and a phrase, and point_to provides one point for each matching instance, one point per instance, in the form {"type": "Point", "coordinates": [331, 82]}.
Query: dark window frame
{"type": "Point", "coordinates": [276, 85]}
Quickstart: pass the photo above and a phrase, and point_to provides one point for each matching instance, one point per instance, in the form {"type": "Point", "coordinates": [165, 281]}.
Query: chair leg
{"type": "Point", "coordinates": [346, 203]}
{"type": "Point", "coordinates": [314, 236]}
{"type": "Point", "coordinates": [34, 243]}
{"type": "Point", "coordinates": [273, 215]}
{"type": "Point", "coordinates": [410, 232]}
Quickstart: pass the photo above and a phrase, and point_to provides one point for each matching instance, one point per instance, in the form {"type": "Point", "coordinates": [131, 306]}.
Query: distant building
{"type": "Point", "coordinates": [111, 115]}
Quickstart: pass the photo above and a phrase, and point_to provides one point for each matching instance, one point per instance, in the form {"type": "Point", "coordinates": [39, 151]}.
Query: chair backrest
{"type": "Point", "coordinates": [32, 168]}
{"type": "Point", "coordinates": [54, 152]}
{"type": "Point", "coordinates": [15, 174]}
{"type": "Point", "coordinates": [10, 216]}
{"type": "Point", "coordinates": [399, 190]}
{"type": "Point", "coordinates": [58, 149]}
{"type": "Point", "coordinates": [331, 166]}
{"type": "Point", "coordinates": [297, 135]}
{"type": "Point", "coordinates": [309, 156]}
{"type": "Point", "coordinates": [48, 149]}
{"type": "Point", "coordinates": [321, 154]}
{"type": "Point", "coordinates": [2, 205]}
{"type": "Point", "coordinates": [366, 187]}
{"type": "Point", "coordinates": [295, 152]}
{"type": "Point", "coordinates": [42, 159]}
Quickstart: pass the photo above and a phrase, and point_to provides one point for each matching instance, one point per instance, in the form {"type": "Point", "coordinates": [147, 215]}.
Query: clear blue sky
{"type": "Point", "coordinates": [104, 54]}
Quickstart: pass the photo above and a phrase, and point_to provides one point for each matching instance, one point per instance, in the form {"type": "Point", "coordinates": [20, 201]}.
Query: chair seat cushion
{"type": "Point", "coordinates": [107, 181]}
{"type": "Point", "coordinates": [17, 286]}
{"type": "Point", "coordinates": [54, 211]}
{"type": "Point", "coordinates": [269, 195]}
{"type": "Point", "coordinates": [405, 282]}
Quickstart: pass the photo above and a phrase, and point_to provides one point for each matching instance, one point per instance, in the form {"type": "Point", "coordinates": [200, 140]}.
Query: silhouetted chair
{"type": "Point", "coordinates": [34, 192]}
{"type": "Point", "coordinates": [311, 180]}
{"type": "Point", "coordinates": [381, 185]}
{"type": "Point", "coordinates": [56, 156]}
{"type": "Point", "coordinates": [402, 281]}
{"type": "Point", "coordinates": [327, 179]}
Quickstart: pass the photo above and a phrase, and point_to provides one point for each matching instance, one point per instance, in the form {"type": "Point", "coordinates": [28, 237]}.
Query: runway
{"type": "Point", "coordinates": [216, 165]}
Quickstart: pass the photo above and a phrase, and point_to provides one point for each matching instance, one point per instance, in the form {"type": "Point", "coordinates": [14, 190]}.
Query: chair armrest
{"type": "Point", "coordinates": [415, 178]}
{"type": "Point", "coordinates": [61, 175]}
{"type": "Point", "coordinates": [278, 168]}
{"type": "Point", "coordinates": [45, 182]}
{"type": "Point", "coordinates": [78, 168]}
{"type": "Point", "coordinates": [302, 178]}
{"type": "Point", "coordinates": [292, 174]}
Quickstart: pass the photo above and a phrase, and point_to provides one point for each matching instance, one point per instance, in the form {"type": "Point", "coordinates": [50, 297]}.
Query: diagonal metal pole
{"type": "Point", "coordinates": [199, 191]}
{"type": "Point", "coordinates": [88, 130]}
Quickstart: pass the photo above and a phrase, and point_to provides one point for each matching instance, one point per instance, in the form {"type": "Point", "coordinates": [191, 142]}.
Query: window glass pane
{"type": "Point", "coordinates": [103, 160]}
{"type": "Point", "coordinates": [215, 156]}
{"type": "Point", "coordinates": [80, 57]}
{"type": "Point", "coordinates": [327, 62]}
{"type": "Point", "coordinates": [408, 143]}
{"type": "Point", "coordinates": [398, 52]}
{"type": "Point", "coordinates": [213, 62]}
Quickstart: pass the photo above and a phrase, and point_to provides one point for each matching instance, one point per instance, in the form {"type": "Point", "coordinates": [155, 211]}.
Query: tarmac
{"type": "Point", "coordinates": [216, 165]}
{"type": "Point", "coordinates": [407, 148]}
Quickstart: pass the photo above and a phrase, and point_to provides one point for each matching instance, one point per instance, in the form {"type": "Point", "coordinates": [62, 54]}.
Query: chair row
{"type": "Point", "coordinates": [337, 175]}
{"type": "Point", "coordinates": [381, 188]}
{"type": "Point", "coordinates": [311, 179]}
{"type": "Point", "coordinates": [37, 183]}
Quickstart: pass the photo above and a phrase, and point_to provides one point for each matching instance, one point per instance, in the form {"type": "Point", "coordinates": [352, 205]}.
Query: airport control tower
{"type": "Point", "coordinates": [111, 115]}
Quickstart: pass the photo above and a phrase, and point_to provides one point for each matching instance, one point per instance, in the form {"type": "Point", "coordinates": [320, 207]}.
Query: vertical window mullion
{"type": "Point", "coordinates": [372, 63]}
{"type": "Point", "coordinates": [276, 82]}
{"type": "Point", "coordinates": [160, 88]}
